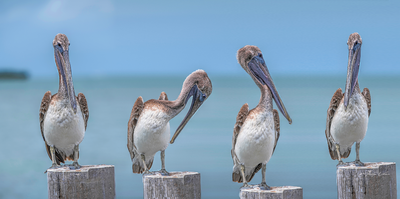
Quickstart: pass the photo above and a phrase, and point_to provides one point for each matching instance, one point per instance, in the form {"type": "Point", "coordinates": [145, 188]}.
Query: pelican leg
{"type": "Point", "coordinates": [54, 165]}
{"type": "Point", "coordinates": [53, 158]}
{"type": "Point", "coordinates": [75, 164]}
{"type": "Point", "coordinates": [146, 170]}
{"type": "Point", "coordinates": [338, 153]}
{"type": "Point", "coordinates": [357, 162]}
{"type": "Point", "coordinates": [263, 184]}
{"type": "Point", "coordinates": [245, 185]}
{"type": "Point", "coordinates": [163, 171]}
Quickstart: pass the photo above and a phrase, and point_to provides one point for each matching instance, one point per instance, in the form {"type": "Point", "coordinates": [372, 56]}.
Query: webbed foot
{"type": "Point", "coordinates": [341, 163]}
{"type": "Point", "coordinates": [74, 166]}
{"type": "Point", "coordinates": [147, 172]}
{"type": "Point", "coordinates": [246, 186]}
{"type": "Point", "coordinates": [53, 166]}
{"type": "Point", "coordinates": [264, 186]}
{"type": "Point", "coordinates": [358, 163]}
{"type": "Point", "coordinates": [164, 172]}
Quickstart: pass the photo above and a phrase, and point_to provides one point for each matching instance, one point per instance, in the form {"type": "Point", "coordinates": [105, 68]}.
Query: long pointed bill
{"type": "Point", "coordinates": [259, 70]}
{"type": "Point", "coordinates": [197, 100]}
{"type": "Point", "coordinates": [62, 60]}
{"type": "Point", "coordinates": [352, 72]}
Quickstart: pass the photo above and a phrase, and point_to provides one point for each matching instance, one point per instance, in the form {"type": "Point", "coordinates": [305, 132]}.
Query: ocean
{"type": "Point", "coordinates": [300, 159]}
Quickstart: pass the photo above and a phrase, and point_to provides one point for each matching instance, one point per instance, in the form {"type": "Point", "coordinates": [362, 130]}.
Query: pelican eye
{"type": "Point", "coordinates": [202, 97]}
{"type": "Point", "coordinates": [59, 47]}
{"type": "Point", "coordinates": [356, 45]}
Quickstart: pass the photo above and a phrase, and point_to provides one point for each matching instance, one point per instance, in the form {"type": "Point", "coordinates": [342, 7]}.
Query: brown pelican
{"type": "Point", "coordinates": [256, 132]}
{"type": "Point", "coordinates": [63, 116]}
{"type": "Point", "coordinates": [148, 126]}
{"type": "Point", "coordinates": [348, 113]}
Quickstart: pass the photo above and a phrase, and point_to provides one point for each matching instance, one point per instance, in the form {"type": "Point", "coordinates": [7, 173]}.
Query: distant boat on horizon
{"type": "Point", "coordinates": [13, 74]}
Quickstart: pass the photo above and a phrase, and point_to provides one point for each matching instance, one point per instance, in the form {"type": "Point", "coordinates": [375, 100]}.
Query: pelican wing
{"type": "Point", "coordinates": [44, 106]}
{"type": "Point", "coordinates": [240, 118]}
{"type": "Point", "coordinates": [367, 97]}
{"type": "Point", "coordinates": [43, 110]}
{"type": "Point", "coordinates": [84, 107]}
{"type": "Point", "coordinates": [277, 128]}
{"type": "Point", "coordinates": [135, 114]}
{"type": "Point", "coordinates": [335, 102]}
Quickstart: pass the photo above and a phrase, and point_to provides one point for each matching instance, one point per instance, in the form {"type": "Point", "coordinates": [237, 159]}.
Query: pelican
{"type": "Point", "coordinates": [63, 116]}
{"type": "Point", "coordinates": [256, 132]}
{"type": "Point", "coordinates": [347, 119]}
{"type": "Point", "coordinates": [148, 126]}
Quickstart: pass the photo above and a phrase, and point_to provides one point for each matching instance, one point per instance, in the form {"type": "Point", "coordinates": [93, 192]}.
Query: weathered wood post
{"type": "Point", "coordinates": [284, 192]}
{"type": "Point", "coordinates": [94, 181]}
{"type": "Point", "coordinates": [178, 185]}
{"type": "Point", "coordinates": [374, 180]}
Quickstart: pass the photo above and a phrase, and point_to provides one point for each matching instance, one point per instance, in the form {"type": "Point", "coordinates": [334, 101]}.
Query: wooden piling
{"type": "Point", "coordinates": [177, 185]}
{"type": "Point", "coordinates": [284, 192]}
{"type": "Point", "coordinates": [94, 181]}
{"type": "Point", "coordinates": [374, 180]}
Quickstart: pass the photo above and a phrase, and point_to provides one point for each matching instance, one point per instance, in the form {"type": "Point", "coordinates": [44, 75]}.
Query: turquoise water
{"type": "Point", "coordinates": [301, 157]}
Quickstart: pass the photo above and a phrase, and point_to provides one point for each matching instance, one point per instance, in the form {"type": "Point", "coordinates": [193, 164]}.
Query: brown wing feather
{"type": "Point", "coordinates": [241, 117]}
{"type": "Point", "coordinates": [135, 114]}
{"type": "Point", "coordinates": [334, 104]}
{"type": "Point", "coordinates": [277, 128]}
{"type": "Point", "coordinates": [367, 97]}
{"type": "Point", "coordinates": [84, 107]}
{"type": "Point", "coordinates": [44, 106]}
{"type": "Point", "coordinates": [163, 96]}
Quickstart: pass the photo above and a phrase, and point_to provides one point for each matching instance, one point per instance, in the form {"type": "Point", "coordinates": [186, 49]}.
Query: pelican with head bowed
{"type": "Point", "coordinates": [148, 126]}
{"type": "Point", "coordinates": [348, 113]}
{"type": "Point", "coordinates": [256, 132]}
{"type": "Point", "coordinates": [63, 116]}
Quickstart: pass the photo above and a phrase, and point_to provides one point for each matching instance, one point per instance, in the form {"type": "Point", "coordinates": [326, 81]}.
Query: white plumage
{"type": "Point", "coordinates": [349, 126]}
{"type": "Point", "coordinates": [152, 132]}
{"type": "Point", "coordinates": [63, 128]}
{"type": "Point", "coordinates": [255, 142]}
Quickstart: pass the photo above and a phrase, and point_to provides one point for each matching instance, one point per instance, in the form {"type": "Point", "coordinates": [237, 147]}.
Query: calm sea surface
{"type": "Point", "coordinates": [301, 157]}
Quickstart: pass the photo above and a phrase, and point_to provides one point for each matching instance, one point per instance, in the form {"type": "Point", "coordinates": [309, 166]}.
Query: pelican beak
{"type": "Point", "coordinates": [352, 72]}
{"type": "Point", "coordinates": [197, 100]}
{"type": "Point", "coordinates": [259, 71]}
{"type": "Point", "coordinates": [63, 65]}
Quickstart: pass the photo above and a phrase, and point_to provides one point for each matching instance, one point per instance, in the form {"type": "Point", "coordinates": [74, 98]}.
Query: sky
{"type": "Point", "coordinates": [177, 37]}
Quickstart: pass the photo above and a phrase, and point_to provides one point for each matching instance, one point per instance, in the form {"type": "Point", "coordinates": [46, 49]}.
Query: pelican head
{"type": "Point", "coordinates": [61, 54]}
{"type": "Point", "coordinates": [354, 44]}
{"type": "Point", "coordinates": [252, 61]}
{"type": "Point", "coordinates": [199, 87]}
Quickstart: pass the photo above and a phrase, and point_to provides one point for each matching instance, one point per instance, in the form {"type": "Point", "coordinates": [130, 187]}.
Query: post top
{"type": "Point", "coordinates": [281, 189]}
{"type": "Point", "coordinates": [367, 165]}
{"type": "Point", "coordinates": [173, 174]}
{"type": "Point", "coordinates": [84, 168]}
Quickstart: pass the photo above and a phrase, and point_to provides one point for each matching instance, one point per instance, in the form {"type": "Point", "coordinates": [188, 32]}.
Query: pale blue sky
{"type": "Point", "coordinates": [177, 37]}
